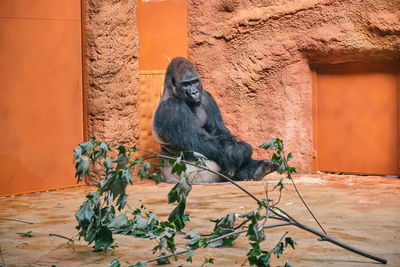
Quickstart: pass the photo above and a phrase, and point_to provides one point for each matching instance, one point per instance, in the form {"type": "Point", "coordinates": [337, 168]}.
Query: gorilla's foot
{"type": "Point", "coordinates": [265, 168]}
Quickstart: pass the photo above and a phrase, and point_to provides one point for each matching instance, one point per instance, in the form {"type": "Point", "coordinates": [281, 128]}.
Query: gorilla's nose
{"type": "Point", "coordinates": [195, 93]}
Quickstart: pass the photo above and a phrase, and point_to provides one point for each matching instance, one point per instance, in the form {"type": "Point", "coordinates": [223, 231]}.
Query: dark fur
{"type": "Point", "coordinates": [180, 124]}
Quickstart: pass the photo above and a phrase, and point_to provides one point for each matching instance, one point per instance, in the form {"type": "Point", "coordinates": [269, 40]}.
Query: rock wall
{"type": "Point", "coordinates": [254, 57]}
{"type": "Point", "coordinates": [112, 82]}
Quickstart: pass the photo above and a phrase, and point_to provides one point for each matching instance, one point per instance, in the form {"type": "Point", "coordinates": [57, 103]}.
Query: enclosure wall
{"type": "Point", "coordinates": [112, 78]}
{"type": "Point", "coordinates": [255, 57]}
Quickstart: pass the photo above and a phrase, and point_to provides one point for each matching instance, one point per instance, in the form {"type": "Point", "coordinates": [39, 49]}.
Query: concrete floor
{"type": "Point", "coordinates": [360, 211]}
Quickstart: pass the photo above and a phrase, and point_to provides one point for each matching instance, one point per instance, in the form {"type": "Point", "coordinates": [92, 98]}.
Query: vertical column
{"type": "Point", "coordinates": [162, 27]}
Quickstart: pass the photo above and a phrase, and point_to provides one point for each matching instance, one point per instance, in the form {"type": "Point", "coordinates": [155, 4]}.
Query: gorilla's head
{"type": "Point", "coordinates": [182, 79]}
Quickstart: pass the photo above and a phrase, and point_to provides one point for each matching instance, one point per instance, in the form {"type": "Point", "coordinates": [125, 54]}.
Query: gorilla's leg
{"type": "Point", "coordinates": [255, 170]}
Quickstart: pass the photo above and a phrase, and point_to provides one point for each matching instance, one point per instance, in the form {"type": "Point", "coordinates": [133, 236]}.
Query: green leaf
{"type": "Point", "coordinates": [276, 158]}
{"type": "Point", "coordinates": [127, 175]}
{"type": "Point", "coordinates": [121, 161]}
{"type": "Point", "coordinates": [82, 168]}
{"type": "Point", "coordinates": [192, 234]}
{"type": "Point", "coordinates": [278, 250]}
{"type": "Point", "coordinates": [26, 234]}
{"type": "Point", "coordinates": [78, 152]}
{"type": "Point", "coordinates": [137, 161]}
{"type": "Point", "coordinates": [108, 164]}
{"type": "Point", "coordinates": [280, 184]}
{"type": "Point", "coordinates": [229, 240]}
{"type": "Point", "coordinates": [140, 264]}
{"type": "Point", "coordinates": [290, 241]}
{"type": "Point", "coordinates": [189, 255]}
{"type": "Point", "coordinates": [180, 191]}
{"type": "Point", "coordinates": [85, 214]}
{"type": "Point", "coordinates": [121, 202]}
{"type": "Point", "coordinates": [104, 148]}
{"type": "Point", "coordinates": [163, 260]}
{"type": "Point", "coordinates": [224, 225]}
{"type": "Point", "coordinates": [118, 222]}
{"type": "Point", "coordinates": [114, 263]}
{"type": "Point", "coordinates": [144, 170]}
{"type": "Point", "coordinates": [103, 240]}
{"type": "Point", "coordinates": [275, 143]}
{"type": "Point", "coordinates": [115, 185]}
{"type": "Point", "coordinates": [173, 194]}
{"type": "Point", "coordinates": [208, 260]}
{"type": "Point", "coordinates": [133, 149]}
{"type": "Point", "coordinates": [88, 146]}
{"type": "Point", "coordinates": [157, 177]}
{"type": "Point", "coordinates": [178, 166]}
{"type": "Point", "coordinates": [247, 215]}
{"type": "Point", "coordinates": [178, 216]}
{"type": "Point", "coordinates": [289, 156]}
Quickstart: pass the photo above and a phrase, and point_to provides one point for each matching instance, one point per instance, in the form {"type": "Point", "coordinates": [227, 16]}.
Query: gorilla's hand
{"type": "Point", "coordinates": [265, 168]}
{"type": "Point", "coordinates": [225, 165]}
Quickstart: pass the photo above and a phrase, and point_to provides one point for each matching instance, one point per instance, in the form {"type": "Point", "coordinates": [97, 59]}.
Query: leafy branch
{"type": "Point", "coordinates": [98, 219]}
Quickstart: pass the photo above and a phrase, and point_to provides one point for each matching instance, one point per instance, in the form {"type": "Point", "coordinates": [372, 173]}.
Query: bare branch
{"type": "Point", "coordinates": [16, 220]}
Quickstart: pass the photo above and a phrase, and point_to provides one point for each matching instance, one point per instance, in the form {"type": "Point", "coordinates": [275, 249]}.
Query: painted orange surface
{"type": "Point", "coordinates": [151, 88]}
{"type": "Point", "coordinates": [162, 27]}
{"type": "Point", "coordinates": [41, 94]}
{"type": "Point", "coordinates": [356, 119]}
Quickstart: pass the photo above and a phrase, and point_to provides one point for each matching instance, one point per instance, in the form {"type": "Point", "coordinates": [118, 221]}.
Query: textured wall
{"type": "Point", "coordinates": [254, 57]}
{"type": "Point", "coordinates": [112, 48]}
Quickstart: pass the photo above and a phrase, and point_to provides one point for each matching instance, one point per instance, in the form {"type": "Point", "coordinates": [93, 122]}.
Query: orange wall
{"type": "Point", "coordinates": [162, 27]}
{"type": "Point", "coordinates": [356, 118]}
{"type": "Point", "coordinates": [41, 112]}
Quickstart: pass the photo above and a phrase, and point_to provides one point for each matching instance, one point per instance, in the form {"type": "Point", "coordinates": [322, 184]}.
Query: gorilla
{"type": "Point", "coordinates": [188, 119]}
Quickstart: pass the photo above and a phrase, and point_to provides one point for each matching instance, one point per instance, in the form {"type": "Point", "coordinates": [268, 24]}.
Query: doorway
{"type": "Point", "coordinates": [356, 118]}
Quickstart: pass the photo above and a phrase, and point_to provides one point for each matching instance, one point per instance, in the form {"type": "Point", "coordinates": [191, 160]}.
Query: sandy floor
{"type": "Point", "coordinates": [360, 211]}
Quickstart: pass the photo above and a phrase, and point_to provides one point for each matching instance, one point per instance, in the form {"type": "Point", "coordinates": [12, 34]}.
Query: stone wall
{"type": "Point", "coordinates": [254, 57]}
{"type": "Point", "coordinates": [112, 82]}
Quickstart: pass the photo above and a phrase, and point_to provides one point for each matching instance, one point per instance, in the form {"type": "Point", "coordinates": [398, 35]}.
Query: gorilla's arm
{"type": "Point", "coordinates": [237, 152]}
{"type": "Point", "coordinates": [176, 125]}
{"type": "Point", "coordinates": [215, 125]}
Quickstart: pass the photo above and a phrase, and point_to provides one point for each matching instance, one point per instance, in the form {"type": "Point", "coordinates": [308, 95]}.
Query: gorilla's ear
{"type": "Point", "coordinates": [169, 84]}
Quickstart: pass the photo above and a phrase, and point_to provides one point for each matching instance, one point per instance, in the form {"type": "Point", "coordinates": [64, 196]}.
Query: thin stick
{"type": "Point", "coordinates": [280, 240]}
{"type": "Point", "coordinates": [2, 259]}
{"type": "Point", "coordinates": [69, 239]}
{"type": "Point", "coordinates": [16, 220]}
{"type": "Point", "coordinates": [206, 169]}
{"type": "Point", "coordinates": [301, 198]}
{"type": "Point", "coordinates": [214, 240]}
{"type": "Point", "coordinates": [305, 204]}
{"type": "Point", "coordinates": [245, 230]}
{"type": "Point", "coordinates": [243, 223]}
{"type": "Point", "coordinates": [326, 237]}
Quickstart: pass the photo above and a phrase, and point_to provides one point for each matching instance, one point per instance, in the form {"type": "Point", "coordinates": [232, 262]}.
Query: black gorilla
{"type": "Point", "coordinates": [187, 118]}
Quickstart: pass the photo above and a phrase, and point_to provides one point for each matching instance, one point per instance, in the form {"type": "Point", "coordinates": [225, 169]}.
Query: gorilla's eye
{"type": "Point", "coordinates": [190, 83]}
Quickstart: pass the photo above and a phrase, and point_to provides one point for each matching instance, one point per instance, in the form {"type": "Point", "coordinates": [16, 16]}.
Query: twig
{"type": "Point", "coordinates": [245, 230]}
{"type": "Point", "coordinates": [207, 169]}
{"type": "Point", "coordinates": [214, 240]}
{"type": "Point", "coordinates": [2, 259]}
{"type": "Point", "coordinates": [243, 223]}
{"type": "Point", "coordinates": [16, 220]}
{"type": "Point", "coordinates": [280, 240]}
{"type": "Point", "coordinates": [301, 198]}
{"type": "Point", "coordinates": [69, 239]}
{"type": "Point", "coordinates": [326, 237]}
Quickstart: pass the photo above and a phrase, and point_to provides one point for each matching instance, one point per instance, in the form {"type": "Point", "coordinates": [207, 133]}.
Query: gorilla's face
{"type": "Point", "coordinates": [190, 87]}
